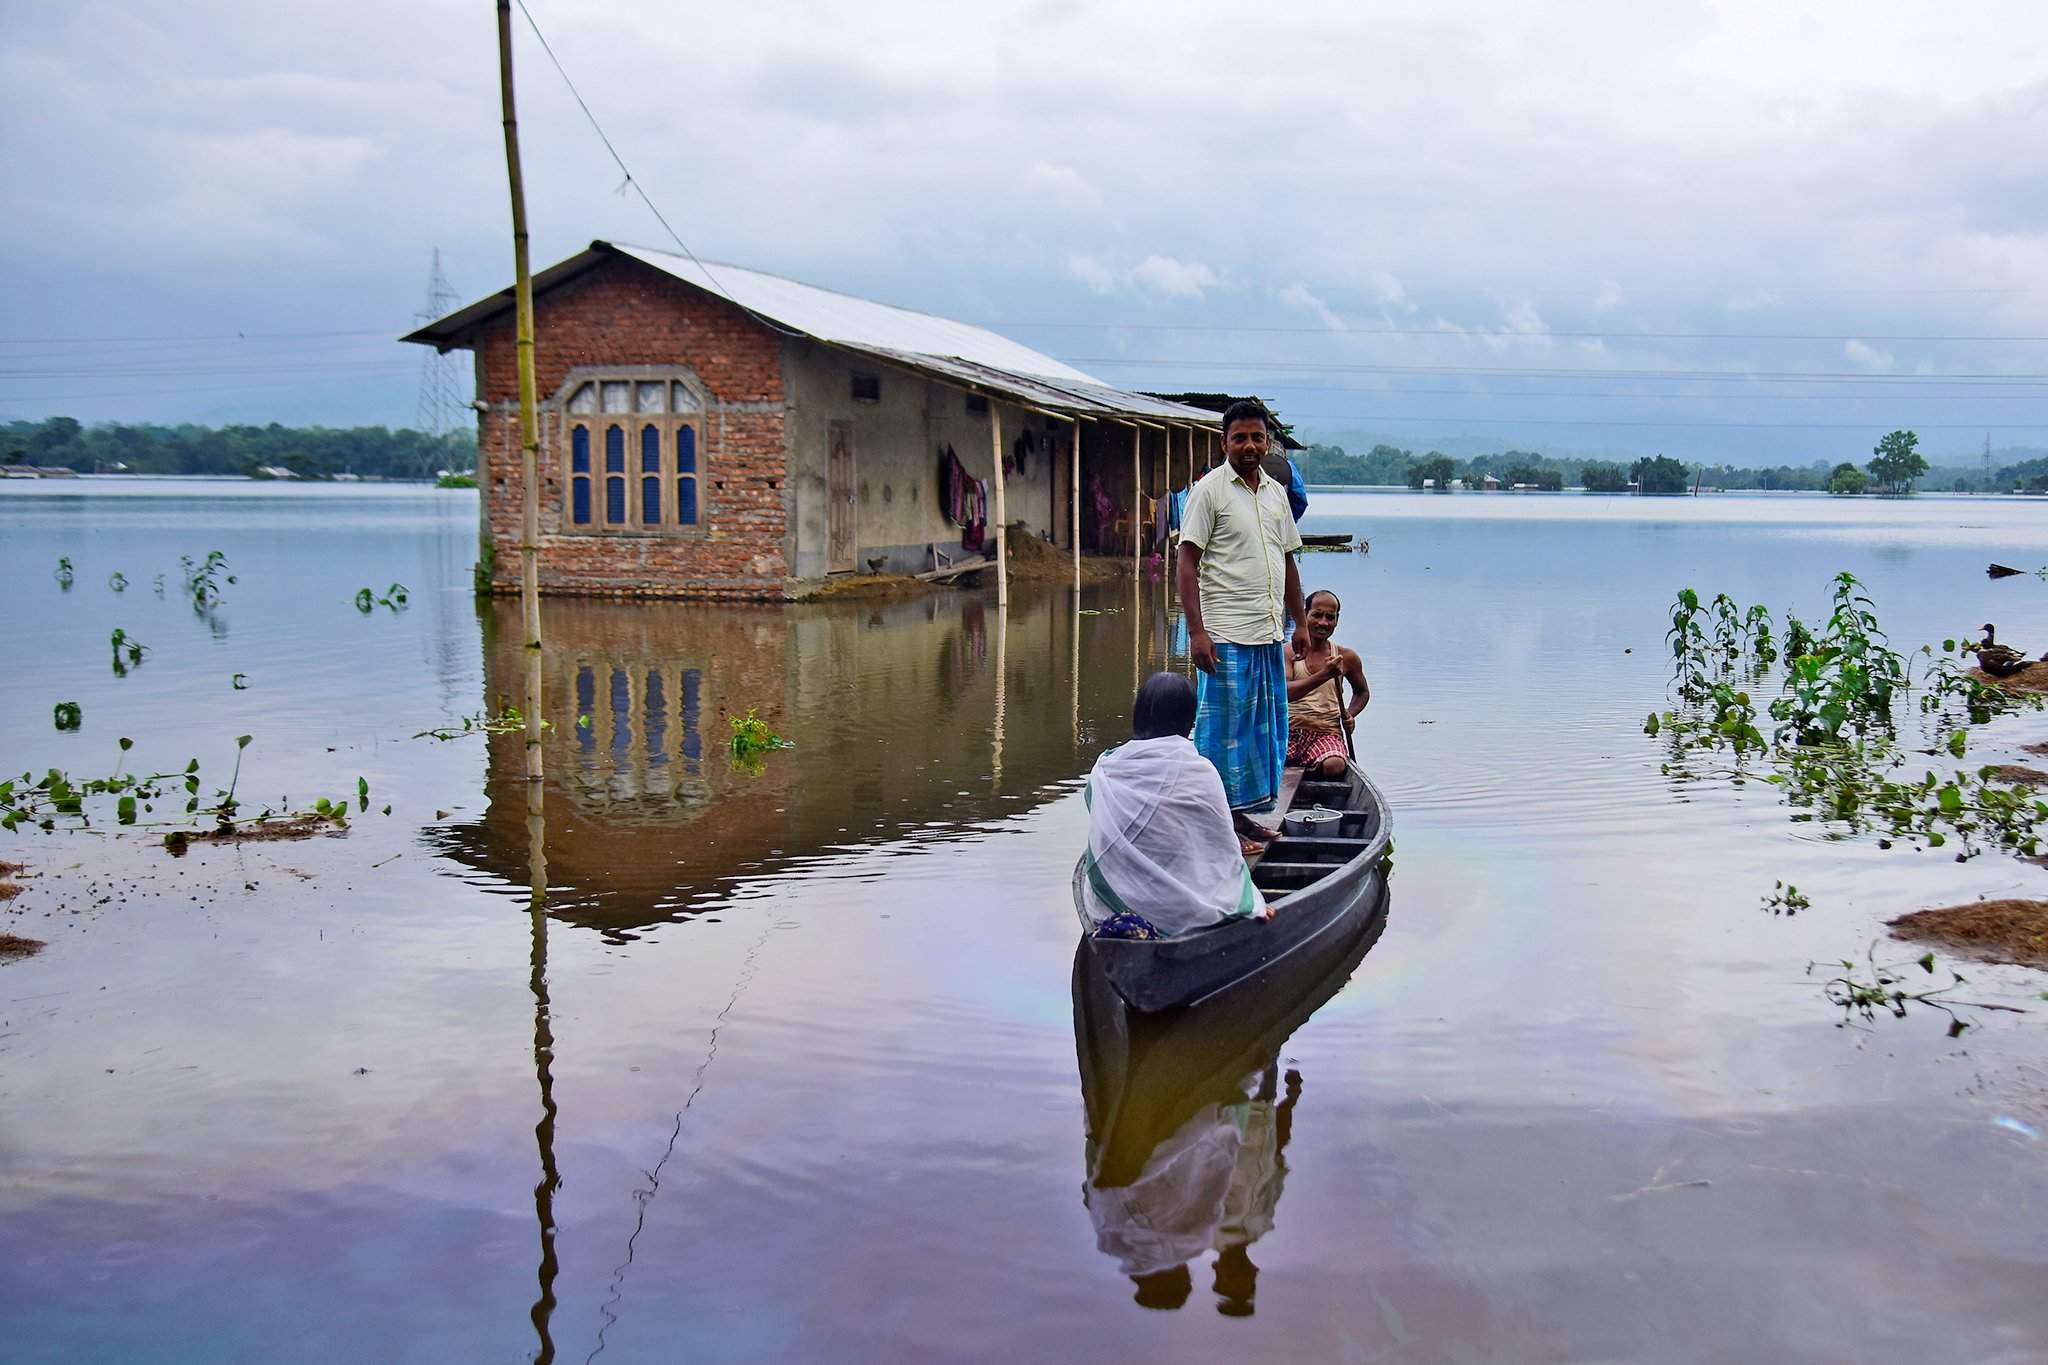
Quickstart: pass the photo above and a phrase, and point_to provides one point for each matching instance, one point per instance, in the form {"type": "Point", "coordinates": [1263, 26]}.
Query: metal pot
{"type": "Point", "coordinates": [1317, 820]}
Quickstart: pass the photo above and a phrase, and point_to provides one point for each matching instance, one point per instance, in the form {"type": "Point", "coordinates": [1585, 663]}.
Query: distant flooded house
{"type": "Point", "coordinates": [712, 431]}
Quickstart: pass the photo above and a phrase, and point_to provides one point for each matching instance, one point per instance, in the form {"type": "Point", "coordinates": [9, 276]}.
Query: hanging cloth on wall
{"type": "Point", "coordinates": [955, 488]}
{"type": "Point", "coordinates": [975, 534]}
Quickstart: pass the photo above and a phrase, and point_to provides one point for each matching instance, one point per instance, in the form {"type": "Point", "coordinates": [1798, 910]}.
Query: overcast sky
{"type": "Point", "coordinates": [1514, 187]}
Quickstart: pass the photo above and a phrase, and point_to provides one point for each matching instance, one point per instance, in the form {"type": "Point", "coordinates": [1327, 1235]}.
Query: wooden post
{"type": "Point", "coordinates": [995, 446]}
{"type": "Point", "coordinates": [1002, 680]}
{"type": "Point", "coordinates": [529, 403]}
{"type": "Point", "coordinates": [1137, 491]}
{"type": "Point", "coordinates": [1074, 487]}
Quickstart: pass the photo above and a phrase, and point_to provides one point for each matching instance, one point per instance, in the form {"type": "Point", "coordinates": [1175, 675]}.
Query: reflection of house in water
{"type": "Point", "coordinates": [893, 708]}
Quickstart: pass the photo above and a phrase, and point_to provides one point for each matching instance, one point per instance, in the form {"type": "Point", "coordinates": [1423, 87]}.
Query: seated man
{"type": "Point", "coordinates": [1161, 854]}
{"type": "Point", "coordinates": [1317, 718]}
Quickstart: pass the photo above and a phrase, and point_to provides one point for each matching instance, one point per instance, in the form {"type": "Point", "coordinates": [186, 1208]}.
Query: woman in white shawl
{"type": "Point", "coordinates": [1161, 846]}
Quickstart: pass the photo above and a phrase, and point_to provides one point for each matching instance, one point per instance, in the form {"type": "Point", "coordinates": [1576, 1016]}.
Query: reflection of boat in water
{"type": "Point", "coordinates": [1189, 1117]}
{"type": "Point", "coordinates": [1320, 885]}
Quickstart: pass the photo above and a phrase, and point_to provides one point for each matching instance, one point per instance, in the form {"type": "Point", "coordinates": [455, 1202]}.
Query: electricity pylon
{"type": "Point", "coordinates": [441, 407]}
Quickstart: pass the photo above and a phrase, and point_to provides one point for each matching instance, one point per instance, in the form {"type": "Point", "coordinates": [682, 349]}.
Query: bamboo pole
{"type": "Point", "coordinates": [543, 1310]}
{"type": "Point", "coordinates": [995, 445]}
{"type": "Point", "coordinates": [529, 403]}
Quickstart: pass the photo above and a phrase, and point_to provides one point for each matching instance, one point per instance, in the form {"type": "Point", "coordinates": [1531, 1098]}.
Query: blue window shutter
{"type": "Point", "coordinates": [650, 449]}
{"type": "Point", "coordinates": [579, 450]}
{"type": "Point", "coordinates": [614, 450]}
{"type": "Point", "coordinates": [686, 450]}
{"type": "Point", "coordinates": [615, 501]}
{"type": "Point", "coordinates": [650, 500]}
{"type": "Point", "coordinates": [686, 501]}
{"type": "Point", "coordinates": [579, 499]}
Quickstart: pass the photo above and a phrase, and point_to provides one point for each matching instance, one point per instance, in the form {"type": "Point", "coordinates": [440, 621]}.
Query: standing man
{"type": "Point", "coordinates": [1239, 584]}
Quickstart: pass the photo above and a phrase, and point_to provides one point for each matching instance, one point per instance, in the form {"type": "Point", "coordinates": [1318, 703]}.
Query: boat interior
{"type": "Point", "coordinates": [1292, 861]}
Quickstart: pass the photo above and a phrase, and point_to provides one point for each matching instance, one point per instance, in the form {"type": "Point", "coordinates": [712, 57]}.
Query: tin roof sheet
{"type": "Point", "coordinates": [951, 351]}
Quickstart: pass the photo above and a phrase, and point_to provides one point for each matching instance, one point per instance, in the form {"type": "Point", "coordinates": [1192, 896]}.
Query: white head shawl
{"type": "Point", "coordinates": [1160, 839]}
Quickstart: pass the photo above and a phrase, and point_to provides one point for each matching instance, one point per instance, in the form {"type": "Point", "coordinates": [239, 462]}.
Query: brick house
{"type": "Point", "coordinates": [718, 432]}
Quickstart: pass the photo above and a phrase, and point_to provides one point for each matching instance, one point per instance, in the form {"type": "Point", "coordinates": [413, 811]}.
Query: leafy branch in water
{"type": "Point", "coordinates": [395, 597]}
{"type": "Point", "coordinates": [1884, 989]}
{"type": "Point", "coordinates": [68, 715]}
{"type": "Point", "coordinates": [508, 721]}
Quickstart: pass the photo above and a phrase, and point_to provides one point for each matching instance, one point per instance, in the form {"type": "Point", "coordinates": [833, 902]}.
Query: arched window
{"type": "Point", "coordinates": [659, 418]}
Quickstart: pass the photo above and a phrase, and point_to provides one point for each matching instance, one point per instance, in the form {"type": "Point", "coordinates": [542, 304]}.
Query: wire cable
{"type": "Point", "coordinates": [620, 161]}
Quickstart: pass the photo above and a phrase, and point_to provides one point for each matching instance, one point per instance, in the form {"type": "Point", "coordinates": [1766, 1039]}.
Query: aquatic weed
{"type": "Point", "coordinates": [1786, 899]}
{"type": "Point", "coordinates": [128, 651]}
{"type": "Point", "coordinates": [751, 738]}
{"type": "Point", "coordinates": [203, 579]}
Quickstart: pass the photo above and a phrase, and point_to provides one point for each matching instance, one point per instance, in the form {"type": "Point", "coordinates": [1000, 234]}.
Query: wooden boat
{"type": "Point", "coordinates": [1319, 886]}
{"type": "Point", "coordinates": [1328, 540]}
{"type": "Point", "coordinates": [1143, 1075]}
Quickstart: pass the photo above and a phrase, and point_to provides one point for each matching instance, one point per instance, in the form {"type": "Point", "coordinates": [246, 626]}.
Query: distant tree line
{"type": "Point", "coordinates": [1895, 466]}
{"type": "Point", "coordinates": [309, 452]}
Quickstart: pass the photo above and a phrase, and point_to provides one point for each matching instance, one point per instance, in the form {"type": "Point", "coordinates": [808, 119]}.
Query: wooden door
{"type": "Point", "coordinates": [839, 486]}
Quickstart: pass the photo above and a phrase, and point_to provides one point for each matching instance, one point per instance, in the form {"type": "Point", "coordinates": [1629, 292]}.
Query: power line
{"type": "Point", "coordinates": [1481, 332]}
{"type": "Point", "coordinates": [1298, 418]}
{"type": "Point", "coordinates": [620, 161]}
{"type": "Point", "coordinates": [1561, 372]}
{"type": "Point", "coordinates": [213, 336]}
{"type": "Point", "coordinates": [1695, 396]}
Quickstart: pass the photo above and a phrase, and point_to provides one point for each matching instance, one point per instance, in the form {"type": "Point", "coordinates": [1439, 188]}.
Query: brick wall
{"type": "Point", "coordinates": [624, 313]}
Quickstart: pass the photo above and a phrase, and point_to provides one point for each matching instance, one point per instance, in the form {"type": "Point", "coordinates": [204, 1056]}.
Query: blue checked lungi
{"type": "Point", "coordinates": [1241, 721]}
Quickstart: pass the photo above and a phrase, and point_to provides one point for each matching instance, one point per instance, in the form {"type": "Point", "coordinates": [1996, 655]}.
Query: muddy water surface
{"type": "Point", "coordinates": [798, 1066]}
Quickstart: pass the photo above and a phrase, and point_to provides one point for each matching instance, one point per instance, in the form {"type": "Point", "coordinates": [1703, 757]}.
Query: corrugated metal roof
{"type": "Point", "coordinates": [948, 350]}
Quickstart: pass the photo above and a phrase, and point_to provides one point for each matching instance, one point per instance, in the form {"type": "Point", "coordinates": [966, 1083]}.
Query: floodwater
{"type": "Point", "coordinates": [791, 1068]}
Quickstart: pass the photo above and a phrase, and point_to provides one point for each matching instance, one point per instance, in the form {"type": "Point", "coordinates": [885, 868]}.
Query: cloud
{"type": "Point", "coordinates": [292, 175]}
{"type": "Point", "coordinates": [1154, 278]}
{"type": "Point", "coordinates": [1298, 296]}
{"type": "Point", "coordinates": [1388, 290]}
{"type": "Point", "coordinates": [1091, 272]}
{"type": "Point", "coordinates": [1173, 279]}
{"type": "Point", "coordinates": [1869, 357]}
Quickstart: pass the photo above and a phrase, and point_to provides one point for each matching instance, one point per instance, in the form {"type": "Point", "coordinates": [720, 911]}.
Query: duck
{"type": "Point", "coordinates": [1996, 659]}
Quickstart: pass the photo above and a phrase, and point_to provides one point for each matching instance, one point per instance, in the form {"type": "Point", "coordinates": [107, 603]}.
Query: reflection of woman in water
{"type": "Point", "coordinates": [1213, 1183]}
